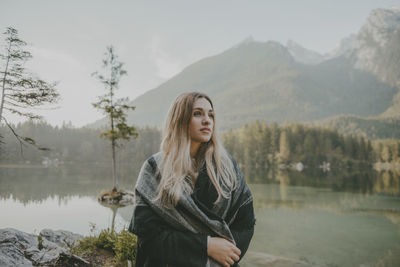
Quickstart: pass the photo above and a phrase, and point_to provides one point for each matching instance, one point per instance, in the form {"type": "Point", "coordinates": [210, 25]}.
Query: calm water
{"type": "Point", "coordinates": [329, 220]}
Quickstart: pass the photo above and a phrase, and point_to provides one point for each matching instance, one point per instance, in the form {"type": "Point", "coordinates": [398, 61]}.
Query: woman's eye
{"type": "Point", "coordinates": [196, 113]}
{"type": "Point", "coordinates": [211, 116]}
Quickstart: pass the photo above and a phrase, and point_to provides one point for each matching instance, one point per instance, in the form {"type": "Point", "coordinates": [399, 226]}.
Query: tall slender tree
{"type": "Point", "coordinates": [284, 147]}
{"type": "Point", "coordinates": [21, 91]}
{"type": "Point", "coordinates": [114, 109]}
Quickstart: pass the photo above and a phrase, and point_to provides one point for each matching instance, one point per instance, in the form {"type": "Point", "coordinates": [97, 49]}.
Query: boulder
{"type": "Point", "coordinates": [13, 244]}
{"type": "Point", "coordinates": [61, 237]}
{"type": "Point", "coordinates": [50, 248]}
{"type": "Point", "coordinates": [11, 255]}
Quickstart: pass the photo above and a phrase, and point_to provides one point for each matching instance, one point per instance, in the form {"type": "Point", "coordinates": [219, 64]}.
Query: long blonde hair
{"type": "Point", "coordinates": [177, 165]}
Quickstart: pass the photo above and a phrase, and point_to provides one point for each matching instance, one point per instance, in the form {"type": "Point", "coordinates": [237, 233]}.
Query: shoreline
{"type": "Point", "coordinates": [55, 248]}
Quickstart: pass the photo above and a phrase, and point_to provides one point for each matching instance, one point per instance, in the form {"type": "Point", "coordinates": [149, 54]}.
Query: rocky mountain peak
{"type": "Point", "coordinates": [379, 25]}
{"type": "Point", "coordinates": [343, 48]}
{"type": "Point", "coordinates": [375, 34]}
{"type": "Point", "coordinates": [377, 45]}
{"type": "Point", "coordinates": [303, 55]}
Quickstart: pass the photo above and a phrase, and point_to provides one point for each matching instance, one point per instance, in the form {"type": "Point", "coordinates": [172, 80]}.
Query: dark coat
{"type": "Point", "coordinates": [161, 245]}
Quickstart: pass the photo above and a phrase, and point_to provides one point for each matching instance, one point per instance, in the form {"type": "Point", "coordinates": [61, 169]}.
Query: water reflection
{"type": "Point", "coordinates": [326, 227]}
{"type": "Point", "coordinates": [362, 181]}
{"type": "Point", "coordinates": [76, 214]}
{"type": "Point", "coordinates": [37, 184]}
{"type": "Point", "coordinates": [344, 218]}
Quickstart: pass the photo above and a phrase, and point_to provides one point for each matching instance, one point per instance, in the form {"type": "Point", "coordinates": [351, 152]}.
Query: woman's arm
{"type": "Point", "coordinates": [242, 212]}
{"type": "Point", "coordinates": [165, 245]}
{"type": "Point", "coordinates": [242, 228]}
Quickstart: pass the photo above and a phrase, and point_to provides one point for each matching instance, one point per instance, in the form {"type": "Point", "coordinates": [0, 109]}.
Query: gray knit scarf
{"type": "Point", "coordinates": [187, 215]}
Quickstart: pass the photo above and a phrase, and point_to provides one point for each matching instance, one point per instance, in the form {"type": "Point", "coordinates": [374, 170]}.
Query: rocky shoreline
{"type": "Point", "coordinates": [49, 248]}
{"type": "Point", "coordinates": [53, 248]}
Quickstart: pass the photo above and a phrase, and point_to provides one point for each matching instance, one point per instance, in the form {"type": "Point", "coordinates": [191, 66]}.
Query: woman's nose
{"type": "Point", "coordinates": [206, 120]}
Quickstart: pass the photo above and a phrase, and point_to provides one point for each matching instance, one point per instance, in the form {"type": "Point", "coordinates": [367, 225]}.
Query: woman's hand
{"type": "Point", "coordinates": [223, 251]}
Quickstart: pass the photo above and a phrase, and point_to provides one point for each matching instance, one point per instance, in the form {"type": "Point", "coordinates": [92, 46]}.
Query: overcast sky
{"type": "Point", "coordinates": [157, 39]}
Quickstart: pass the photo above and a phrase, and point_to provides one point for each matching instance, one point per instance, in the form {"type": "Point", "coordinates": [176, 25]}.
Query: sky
{"type": "Point", "coordinates": [157, 39]}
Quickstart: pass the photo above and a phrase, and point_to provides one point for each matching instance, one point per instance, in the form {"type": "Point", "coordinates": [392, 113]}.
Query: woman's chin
{"type": "Point", "coordinates": [203, 139]}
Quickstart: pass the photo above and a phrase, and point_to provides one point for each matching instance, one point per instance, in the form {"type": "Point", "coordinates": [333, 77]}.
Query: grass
{"type": "Point", "coordinates": [108, 248]}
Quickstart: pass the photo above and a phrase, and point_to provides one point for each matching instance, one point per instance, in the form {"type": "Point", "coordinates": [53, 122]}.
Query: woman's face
{"type": "Point", "coordinates": [202, 121]}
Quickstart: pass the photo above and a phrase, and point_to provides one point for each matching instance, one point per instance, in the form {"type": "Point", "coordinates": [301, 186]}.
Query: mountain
{"type": "Point", "coordinates": [232, 79]}
{"type": "Point", "coordinates": [310, 57]}
{"type": "Point", "coordinates": [304, 55]}
{"type": "Point", "coordinates": [267, 81]}
{"type": "Point", "coordinates": [255, 80]}
{"type": "Point", "coordinates": [344, 47]}
{"type": "Point", "coordinates": [376, 50]}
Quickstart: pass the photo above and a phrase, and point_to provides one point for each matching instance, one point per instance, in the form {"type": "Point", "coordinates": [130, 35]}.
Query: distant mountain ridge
{"type": "Point", "coordinates": [304, 55]}
{"type": "Point", "coordinates": [267, 81]}
{"type": "Point", "coordinates": [376, 49]}
{"type": "Point", "coordinates": [377, 41]}
{"type": "Point", "coordinates": [309, 57]}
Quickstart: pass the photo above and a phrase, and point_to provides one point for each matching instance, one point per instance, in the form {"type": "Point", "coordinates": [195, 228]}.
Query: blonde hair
{"type": "Point", "coordinates": [177, 166]}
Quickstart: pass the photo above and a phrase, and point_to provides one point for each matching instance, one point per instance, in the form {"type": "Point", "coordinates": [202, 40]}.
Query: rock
{"type": "Point", "coordinates": [13, 244]}
{"type": "Point", "coordinates": [61, 237]}
{"type": "Point", "coordinates": [20, 239]}
{"type": "Point", "coordinates": [10, 255]}
{"type": "Point", "coordinates": [71, 260]}
{"type": "Point", "coordinates": [344, 47]}
{"type": "Point", "coordinates": [48, 255]}
{"type": "Point", "coordinates": [22, 249]}
{"type": "Point", "coordinates": [372, 40]}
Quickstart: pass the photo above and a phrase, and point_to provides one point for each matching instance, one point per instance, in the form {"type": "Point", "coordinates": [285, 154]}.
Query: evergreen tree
{"type": "Point", "coordinates": [369, 151]}
{"type": "Point", "coordinates": [396, 152]}
{"type": "Point", "coordinates": [309, 145]}
{"type": "Point", "coordinates": [348, 146]}
{"type": "Point", "coordinates": [20, 90]}
{"type": "Point", "coordinates": [265, 144]}
{"type": "Point", "coordinates": [284, 147]}
{"type": "Point", "coordinates": [327, 148]}
{"type": "Point", "coordinates": [385, 154]}
{"type": "Point", "coordinates": [361, 151]}
{"type": "Point", "coordinates": [274, 139]}
{"type": "Point", "coordinates": [114, 109]}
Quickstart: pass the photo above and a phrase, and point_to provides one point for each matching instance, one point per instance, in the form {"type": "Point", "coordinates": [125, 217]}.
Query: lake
{"type": "Point", "coordinates": [326, 219]}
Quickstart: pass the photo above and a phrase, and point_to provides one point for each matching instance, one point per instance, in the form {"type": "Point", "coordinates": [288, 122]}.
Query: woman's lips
{"type": "Point", "coordinates": [205, 130]}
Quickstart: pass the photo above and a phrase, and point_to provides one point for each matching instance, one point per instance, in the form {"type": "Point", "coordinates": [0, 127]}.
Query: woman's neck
{"type": "Point", "coordinates": [194, 148]}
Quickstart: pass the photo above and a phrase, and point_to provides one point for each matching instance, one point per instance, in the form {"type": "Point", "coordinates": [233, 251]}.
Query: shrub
{"type": "Point", "coordinates": [122, 245]}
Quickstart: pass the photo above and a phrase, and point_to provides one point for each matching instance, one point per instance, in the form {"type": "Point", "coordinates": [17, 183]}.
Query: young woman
{"type": "Point", "coordinates": [193, 206]}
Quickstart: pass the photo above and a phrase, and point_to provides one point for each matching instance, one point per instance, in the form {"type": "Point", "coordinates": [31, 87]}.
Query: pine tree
{"type": "Point", "coordinates": [114, 109]}
{"type": "Point", "coordinates": [385, 154]}
{"type": "Point", "coordinates": [20, 90]}
{"type": "Point", "coordinates": [284, 147]}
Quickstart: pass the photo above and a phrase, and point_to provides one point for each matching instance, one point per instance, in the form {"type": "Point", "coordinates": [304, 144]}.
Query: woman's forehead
{"type": "Point", "coordinates": [202, 103]}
